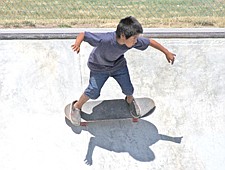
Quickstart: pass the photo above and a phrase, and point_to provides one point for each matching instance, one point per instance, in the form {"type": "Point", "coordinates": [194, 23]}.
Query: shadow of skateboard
{"type": "Point", "coordinates": [107, 110]}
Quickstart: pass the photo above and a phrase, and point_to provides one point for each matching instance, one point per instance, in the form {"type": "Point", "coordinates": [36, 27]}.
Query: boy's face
{"type": "Point", "coordinates": [130, 42]}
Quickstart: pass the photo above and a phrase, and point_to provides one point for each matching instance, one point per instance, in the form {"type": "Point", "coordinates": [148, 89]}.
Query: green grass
{"type": "Point", "coordinates": [107, 13]}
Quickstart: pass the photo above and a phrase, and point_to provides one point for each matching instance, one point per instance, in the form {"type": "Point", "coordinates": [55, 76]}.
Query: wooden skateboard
{"type": "Point", "coordinates": [106, 110]}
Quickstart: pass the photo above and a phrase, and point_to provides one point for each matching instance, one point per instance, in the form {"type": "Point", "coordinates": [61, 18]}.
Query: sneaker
{"type": "Point", "coordinates": [75, 117]}
{"type": "Point", "coordinates": [134, 109]}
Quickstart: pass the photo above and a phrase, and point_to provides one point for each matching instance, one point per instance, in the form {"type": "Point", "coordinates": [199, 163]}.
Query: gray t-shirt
{"type": "Point", "coordinates": [108, 54]}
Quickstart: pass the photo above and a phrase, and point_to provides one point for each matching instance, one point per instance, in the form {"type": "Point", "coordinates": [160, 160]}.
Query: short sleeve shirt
{"type": "Point", "coordinates": [108, 54]}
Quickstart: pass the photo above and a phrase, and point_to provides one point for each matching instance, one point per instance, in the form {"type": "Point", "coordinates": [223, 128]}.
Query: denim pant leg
{"type": "Point", "coordinates": [122, 76]}
{"type": "Point", "coordinates": [96, 81]}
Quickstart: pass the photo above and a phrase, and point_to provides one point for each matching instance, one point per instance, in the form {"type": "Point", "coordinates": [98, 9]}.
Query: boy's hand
{"type": "Point", "coordinates": [170, 57]}
{"type": "Point", "coordinates": [76, 48]}
{"type": "Point", "coordinates": [76, 45]}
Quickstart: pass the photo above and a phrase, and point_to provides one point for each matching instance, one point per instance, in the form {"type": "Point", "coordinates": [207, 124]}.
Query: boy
{"type": "Point", "coordinates": [107, 60]}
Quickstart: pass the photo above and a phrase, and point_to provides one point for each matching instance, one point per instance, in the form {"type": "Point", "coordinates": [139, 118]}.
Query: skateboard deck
{"type": "Point", "coordinates": [104, 110]}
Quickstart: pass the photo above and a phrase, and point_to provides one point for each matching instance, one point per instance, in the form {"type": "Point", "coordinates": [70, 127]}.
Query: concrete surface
{"type": "Point", "coordinates": [38, 78]}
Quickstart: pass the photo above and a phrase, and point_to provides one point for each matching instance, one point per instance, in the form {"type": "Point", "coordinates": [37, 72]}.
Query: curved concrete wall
{"type": "Point", "coordinates": [39, 77]}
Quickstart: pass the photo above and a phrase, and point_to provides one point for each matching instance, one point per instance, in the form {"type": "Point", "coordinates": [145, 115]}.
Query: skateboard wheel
{"type": "Point", "coordinates": [135, 119]}
{"type": "Point", "coordinates": [83, 123]}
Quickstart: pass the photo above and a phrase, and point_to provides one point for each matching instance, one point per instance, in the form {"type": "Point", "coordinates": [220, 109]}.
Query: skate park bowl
{"type": "Point", "coordinates": [40, 75]}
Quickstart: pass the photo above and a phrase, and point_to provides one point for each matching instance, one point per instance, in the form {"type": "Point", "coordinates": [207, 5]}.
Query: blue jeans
{"type": "Point", "coordinates": [98, 79]}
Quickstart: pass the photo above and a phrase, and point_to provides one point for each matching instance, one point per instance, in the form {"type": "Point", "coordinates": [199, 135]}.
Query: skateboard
{"type": "Point", "coordinates": [106, 110]}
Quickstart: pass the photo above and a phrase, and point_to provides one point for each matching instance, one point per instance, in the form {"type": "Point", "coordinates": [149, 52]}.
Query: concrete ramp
{"type": "Point", "coordinates": [38, 78]}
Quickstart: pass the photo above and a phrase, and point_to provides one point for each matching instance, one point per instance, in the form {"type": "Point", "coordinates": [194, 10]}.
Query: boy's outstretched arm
{"type": "Point", "coordinates": [76, 45]}
{"type": "Point", "coordinates": [169, 56]}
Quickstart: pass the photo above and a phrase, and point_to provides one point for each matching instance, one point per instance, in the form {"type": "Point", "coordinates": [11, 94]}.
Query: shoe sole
{"type": "Point", "coordinates": [75, 123]}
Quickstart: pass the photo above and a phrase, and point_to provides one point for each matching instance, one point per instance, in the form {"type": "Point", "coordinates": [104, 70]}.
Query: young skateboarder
{"type": "Point", "coordinates": [107, 60]}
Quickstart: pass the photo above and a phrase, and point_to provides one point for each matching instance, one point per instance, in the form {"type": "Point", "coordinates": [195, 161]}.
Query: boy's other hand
{"type": "Point", "coordinates": [75, 48]}
{"type": "Point", "coordinates": [170, 57]}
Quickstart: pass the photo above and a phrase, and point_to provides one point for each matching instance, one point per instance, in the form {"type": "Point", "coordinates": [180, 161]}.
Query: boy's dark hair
{"type": "Point", "coordinates": [128, 26]}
